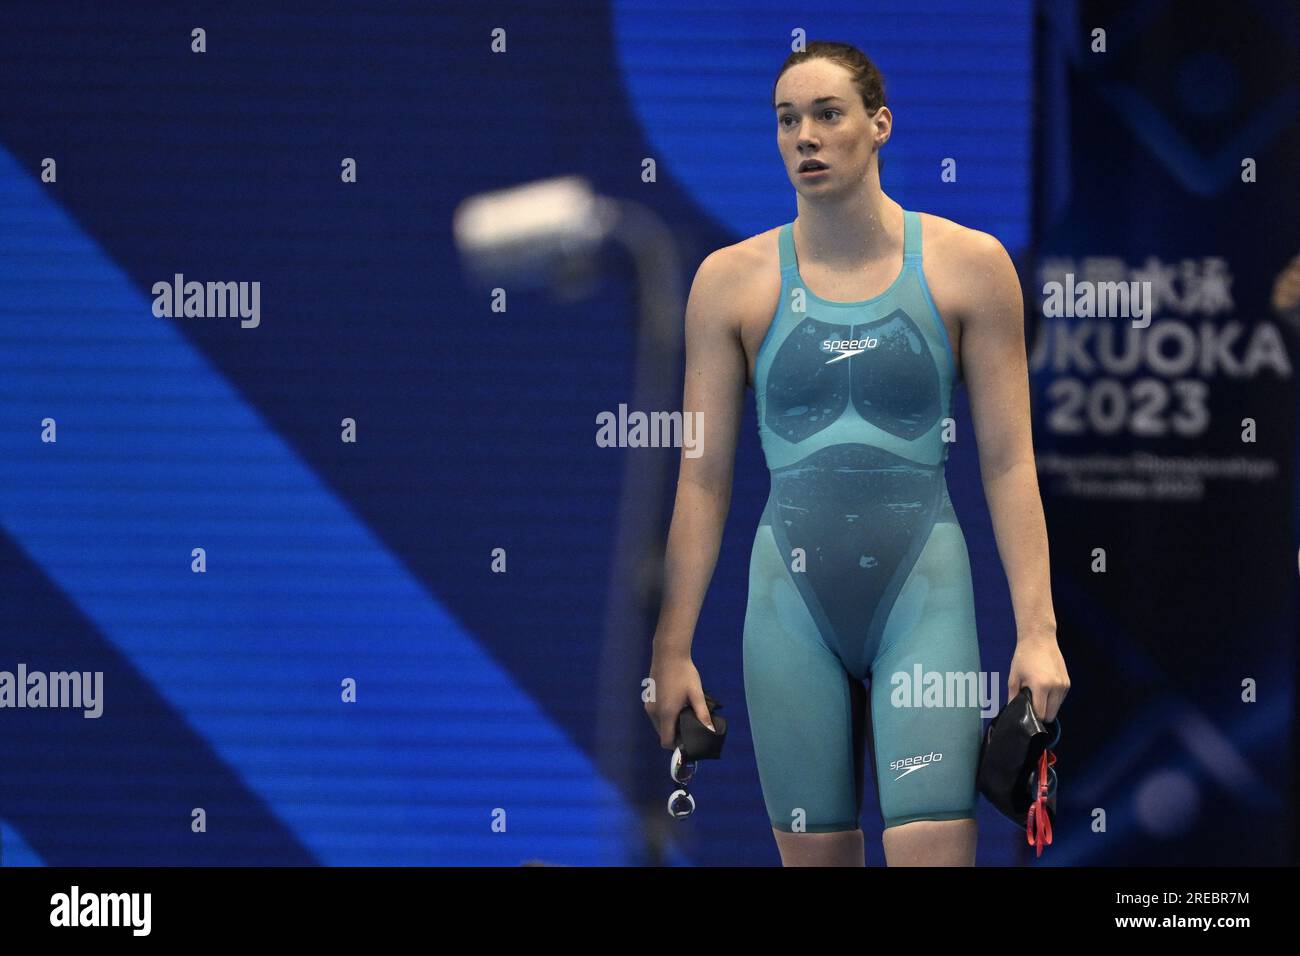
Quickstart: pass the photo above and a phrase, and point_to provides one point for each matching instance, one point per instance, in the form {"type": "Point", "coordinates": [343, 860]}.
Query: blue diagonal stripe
{"type": "Point", "coordinates": [157, 455]}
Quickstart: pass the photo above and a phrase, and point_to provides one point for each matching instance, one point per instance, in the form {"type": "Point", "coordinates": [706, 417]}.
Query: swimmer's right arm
{"type": "Point", "coordinates": [713, 394]}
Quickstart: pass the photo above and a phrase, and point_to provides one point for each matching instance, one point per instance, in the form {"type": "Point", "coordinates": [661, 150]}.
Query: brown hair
{"type": "Point", "coordinates": [865, 74]}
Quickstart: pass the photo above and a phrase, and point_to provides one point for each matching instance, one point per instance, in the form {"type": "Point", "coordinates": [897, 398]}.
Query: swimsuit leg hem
{"type": "Point", "coordinates": [819, 827]}
{"type": "Point", "coordinates": [938, 815]}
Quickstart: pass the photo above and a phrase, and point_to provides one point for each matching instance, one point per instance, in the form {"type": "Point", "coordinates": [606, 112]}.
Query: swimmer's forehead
{"type": "Point", "coordinates": [820, 99]}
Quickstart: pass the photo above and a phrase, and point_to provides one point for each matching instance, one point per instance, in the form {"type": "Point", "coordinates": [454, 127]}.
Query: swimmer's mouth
{"type": "Point", "coordinates": [808, 165]}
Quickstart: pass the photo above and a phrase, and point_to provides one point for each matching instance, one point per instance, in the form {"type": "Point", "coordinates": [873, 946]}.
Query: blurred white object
{"type": "Point", "coordinates": [530, 232]}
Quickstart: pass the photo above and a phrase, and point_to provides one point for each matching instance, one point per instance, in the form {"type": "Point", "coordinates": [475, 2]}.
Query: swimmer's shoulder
{"type": "Point", "coordinates": [960, 264]}
{"type": "Point", "coordinates": [744, 278]}
{"type": "Point", "coordinates": [945, 242]}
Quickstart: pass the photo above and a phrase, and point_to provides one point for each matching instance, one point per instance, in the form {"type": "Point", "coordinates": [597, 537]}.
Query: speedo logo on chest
{"type": "Point", "coordinates": [847, 348]}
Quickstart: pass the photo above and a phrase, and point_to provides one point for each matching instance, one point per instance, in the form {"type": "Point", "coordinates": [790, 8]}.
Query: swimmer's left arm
{"type": "Point", "coordinates": [993, 361]}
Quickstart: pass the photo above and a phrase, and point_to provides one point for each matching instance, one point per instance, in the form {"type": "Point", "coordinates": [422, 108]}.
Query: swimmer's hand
{"type": "Point", "coordinates": [675, 682]}
{"type": "Point", "coordinates": [1038, 665]}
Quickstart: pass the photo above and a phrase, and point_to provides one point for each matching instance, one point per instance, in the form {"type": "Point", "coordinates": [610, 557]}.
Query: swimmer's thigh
{"type": "Point", "coordinates": [806, 713]}
{"type": "Point", "coordinates": [926, 756]}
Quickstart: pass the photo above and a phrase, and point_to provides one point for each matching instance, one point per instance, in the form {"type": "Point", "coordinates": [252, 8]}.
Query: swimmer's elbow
{"type": "Point", "coordinates": [717, 488]}
{"type": "Point", "coordinates": [997, 466]}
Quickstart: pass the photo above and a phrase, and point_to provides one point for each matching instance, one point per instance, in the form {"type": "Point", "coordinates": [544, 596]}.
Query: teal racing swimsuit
{"type": "Point", "coordinates": [859, 569]}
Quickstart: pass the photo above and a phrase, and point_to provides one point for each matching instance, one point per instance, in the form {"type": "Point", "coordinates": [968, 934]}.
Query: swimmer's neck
{"type": "Point", "coordinates": [849, 232]}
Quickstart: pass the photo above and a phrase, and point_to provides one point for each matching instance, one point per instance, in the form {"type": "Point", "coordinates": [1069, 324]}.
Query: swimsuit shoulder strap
{"type": "Point", "coordinates": [789, 264]}
{"type": "Point", "coordinates": [911, 236]}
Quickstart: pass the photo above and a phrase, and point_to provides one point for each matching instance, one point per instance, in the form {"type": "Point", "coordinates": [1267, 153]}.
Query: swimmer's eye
{"type": "Point", "coordinates": [782, 120]}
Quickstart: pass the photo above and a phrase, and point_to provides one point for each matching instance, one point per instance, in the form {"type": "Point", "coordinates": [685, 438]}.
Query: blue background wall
{"type": "Point", "coordinates": [329, 561]}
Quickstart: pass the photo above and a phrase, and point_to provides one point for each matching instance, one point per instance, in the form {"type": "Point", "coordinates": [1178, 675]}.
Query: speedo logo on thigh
{"type": "Point", "coordinates": [913, 764]}
{"type": "Point", "coordinates": [847, 348]}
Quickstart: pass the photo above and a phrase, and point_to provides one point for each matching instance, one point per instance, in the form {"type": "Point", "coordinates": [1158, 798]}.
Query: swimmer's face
{"type": "Point", "coordinates": [820, 117]}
